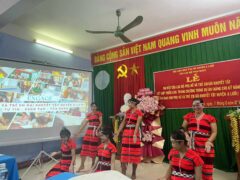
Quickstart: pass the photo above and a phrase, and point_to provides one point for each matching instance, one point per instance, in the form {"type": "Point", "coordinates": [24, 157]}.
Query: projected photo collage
{"type": "Point", "coordinates": [26, 94]}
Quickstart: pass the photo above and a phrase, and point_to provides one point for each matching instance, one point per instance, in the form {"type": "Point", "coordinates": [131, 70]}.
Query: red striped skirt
{"type": "Point", "coordinates": [62, 166]}
{"type": "Point", "coordinates": [131, 152]}
{"type": "Point", "coordinates": [208, 158]}
{"type": "Point", "coordinates": [90, 143]}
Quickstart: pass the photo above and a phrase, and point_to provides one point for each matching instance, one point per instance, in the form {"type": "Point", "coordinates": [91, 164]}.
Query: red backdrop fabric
{"type": "Point", "coordinates": [130, 84]}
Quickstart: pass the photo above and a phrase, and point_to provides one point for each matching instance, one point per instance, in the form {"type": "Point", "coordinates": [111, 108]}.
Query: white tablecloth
{"type": "Point", "coordinates": [113, 175]}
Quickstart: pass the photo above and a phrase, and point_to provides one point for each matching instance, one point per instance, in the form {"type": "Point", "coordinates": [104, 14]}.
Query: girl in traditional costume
{"type": "Point", "coordinates": [68, 155]}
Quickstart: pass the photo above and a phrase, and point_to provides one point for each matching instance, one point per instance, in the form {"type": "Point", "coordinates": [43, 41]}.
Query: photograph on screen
{"type": "Point", "coordinates": [5, 120]}
{"type": "Point", "coordinates": [5, 72]}
{"type": "Point", "coordinates": [51, 77]}
{"type": "Point", "coordinates": [71, 117]}
{"type": "Point", "coordinates": [6, 97]}
{"type": "Point", "coordinates": [26, 120]}
{"type": "Point", "coordinates": [14, 85]}
{"type": "Point", "coordinates": [73, 93]}
{"type": "Point", "coordinates": [24, 74]}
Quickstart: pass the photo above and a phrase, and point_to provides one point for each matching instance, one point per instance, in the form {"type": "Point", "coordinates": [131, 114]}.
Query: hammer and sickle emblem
{"type": "Point", "coordinates": [122, 71]}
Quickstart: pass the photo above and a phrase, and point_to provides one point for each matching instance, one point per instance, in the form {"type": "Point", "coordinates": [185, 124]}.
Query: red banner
{"type": "Point", "coordinates": [213, 29]}
{"type": "Point", "coordinates": [218, 84]}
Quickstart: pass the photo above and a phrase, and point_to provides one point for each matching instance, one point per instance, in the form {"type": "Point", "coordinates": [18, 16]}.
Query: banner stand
{"type": "Point", "coordinates": [37, 162]}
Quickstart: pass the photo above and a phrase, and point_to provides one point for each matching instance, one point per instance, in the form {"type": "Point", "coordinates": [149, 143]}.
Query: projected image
{"type": "Point", "coordinates": [14, 85]}
{"type": "Point", "coordinates": [74, 112]}
{"type": "Point", "coordinates": [37, 89]}
{"type": "Point", "coordinates": [5, 120]}
{"type": "Point", "coordinates": [24, 74]}
{"type": "Point", "coordinates": [73, 93]}
{"type": "Point", "coordinates": [45, 89]}
{"type": "Point", "coordinates": [85, 85]}
{"type": "Point", "coordinates": [73, 80]}
{"type": "Point", "coordinates": [39, 98]}
{"type": "Point", "coordinates": [4, 72]}
{"type": "Point", "coordinates": [51, 77]}
{"type": "Point", "coordinates": [6, 97]}
{"type": "Point", "coordinates": [27, 120]}
{"type": "Point", "coordinates": [72, 117]}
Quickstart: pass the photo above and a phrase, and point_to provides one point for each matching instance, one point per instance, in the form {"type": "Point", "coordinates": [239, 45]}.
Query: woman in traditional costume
{"type": "Point", "coordinates": [131, 144]}
{"type": "Point", "coordinates": [202, 131]}
{"type": "Point", "coordinates": [90, 140]}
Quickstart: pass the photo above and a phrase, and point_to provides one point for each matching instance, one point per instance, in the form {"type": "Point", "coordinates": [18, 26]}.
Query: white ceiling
{"type": "Point", "coordinates": [6, 4]}
{"type": "Point", "coordinates": [65, 21]}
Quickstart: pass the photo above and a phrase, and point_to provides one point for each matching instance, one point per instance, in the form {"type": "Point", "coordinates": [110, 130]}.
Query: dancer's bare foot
{"type": "Point", "coordinates": [124, 172]}
{"type": "Point", "coordinates": [147, 160]}
{"type": "Point", "coordinates": [134, 176]}
{"type": "Point", "coordinates": [80, 169]}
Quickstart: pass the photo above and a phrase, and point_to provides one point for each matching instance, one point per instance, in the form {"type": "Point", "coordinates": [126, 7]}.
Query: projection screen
{"type": "Point", "coordinates": [36, 101]}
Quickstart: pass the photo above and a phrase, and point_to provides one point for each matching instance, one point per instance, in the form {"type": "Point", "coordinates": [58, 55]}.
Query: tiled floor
{"type": "Point", "coordinates": [145, 172]}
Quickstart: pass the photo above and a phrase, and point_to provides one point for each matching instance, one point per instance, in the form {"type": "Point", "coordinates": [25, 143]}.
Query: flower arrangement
{"type": "Point", "coordinates": [234, 117]}
{"type": "Point", "coordinates": [151, 131]}
{"type": "Point", "coordinates": [148, 103]}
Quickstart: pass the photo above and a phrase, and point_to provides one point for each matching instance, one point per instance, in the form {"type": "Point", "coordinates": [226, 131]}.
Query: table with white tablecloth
{"type": "Point", "coordinates": [114, 175]}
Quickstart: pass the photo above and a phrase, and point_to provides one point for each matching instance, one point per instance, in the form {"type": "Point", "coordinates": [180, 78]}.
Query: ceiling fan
{"type": "Point", "coordinates": [120, 31]}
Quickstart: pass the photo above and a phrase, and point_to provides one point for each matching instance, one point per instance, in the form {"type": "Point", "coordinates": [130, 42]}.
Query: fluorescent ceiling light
{"type": "Point", "coordinates": [53, 46]}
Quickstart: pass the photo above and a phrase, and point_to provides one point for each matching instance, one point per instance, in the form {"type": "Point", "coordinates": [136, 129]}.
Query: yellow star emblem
{"type": "Point", "coordinates": [134, 69]}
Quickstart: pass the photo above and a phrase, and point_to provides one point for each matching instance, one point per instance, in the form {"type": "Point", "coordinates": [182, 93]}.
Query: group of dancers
{"type": "Point", "coordinates": [191, 156]}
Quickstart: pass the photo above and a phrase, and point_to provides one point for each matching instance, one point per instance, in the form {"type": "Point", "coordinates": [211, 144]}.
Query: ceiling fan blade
{"type": "Point", "coordinates": [124, 38]}
{"type": "Point", "coordinates": [100, 32]}
{"type": "Point", "coordinates": [138, 20]}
